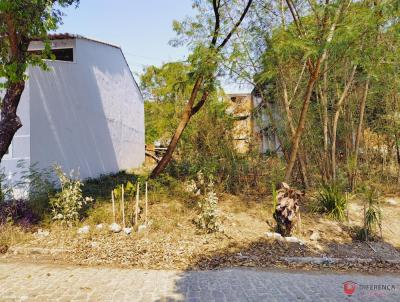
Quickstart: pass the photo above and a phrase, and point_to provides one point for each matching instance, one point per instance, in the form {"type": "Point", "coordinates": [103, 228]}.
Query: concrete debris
{"type": "Point", "coordinates": [84, 230]}
{"type": "Point", "coordinates": [115, 228]}
{"type": "Point", "coordinates": [127, 231]}
{"type": "Point", "coordinates": [315, 236]}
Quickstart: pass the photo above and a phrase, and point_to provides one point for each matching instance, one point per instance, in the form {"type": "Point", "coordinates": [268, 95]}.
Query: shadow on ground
{"type": "Point", "coordinates": [251, 272]}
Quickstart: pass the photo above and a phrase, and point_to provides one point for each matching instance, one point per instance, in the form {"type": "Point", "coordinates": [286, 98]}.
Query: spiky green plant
{"type": "Point", "coordinates": [331, 201]}
{"type": "Point", "coordinates": [372, 215]}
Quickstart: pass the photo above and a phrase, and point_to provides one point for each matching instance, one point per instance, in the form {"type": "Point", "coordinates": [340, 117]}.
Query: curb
{"type": "Point", "coordinates": [35, 251]}
{"type": "Point", "coordinates": [328, 260]}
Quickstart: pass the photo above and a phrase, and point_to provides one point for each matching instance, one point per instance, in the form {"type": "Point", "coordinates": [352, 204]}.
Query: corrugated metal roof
{"type": "Point", "coordinates": [68, 36]}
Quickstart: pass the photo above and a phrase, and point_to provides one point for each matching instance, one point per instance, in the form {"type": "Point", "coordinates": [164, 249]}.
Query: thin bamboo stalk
{"type": "Point", "coordinates": [113, 204]}
{"type": "Point", "coordinates": [123, 205]}
{"type": "Point", "coordinates": [146, 200]}
{"type": "Point", "coordinates": [137, 204]}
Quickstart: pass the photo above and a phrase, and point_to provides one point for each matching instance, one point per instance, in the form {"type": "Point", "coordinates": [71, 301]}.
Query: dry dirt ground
{"type": "Point", "coordinates": [174, 242]}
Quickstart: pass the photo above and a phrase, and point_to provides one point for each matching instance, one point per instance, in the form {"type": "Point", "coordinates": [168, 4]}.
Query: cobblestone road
{"type": "Point", "coordinates": [38, 282]}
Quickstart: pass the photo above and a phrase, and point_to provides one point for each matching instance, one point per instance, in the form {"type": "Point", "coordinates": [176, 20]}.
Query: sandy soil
{"type": "Point", "coordinates": [174, 242]}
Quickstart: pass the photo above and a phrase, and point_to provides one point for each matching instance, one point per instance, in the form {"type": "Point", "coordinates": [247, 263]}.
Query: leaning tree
{"type": "Point", "coordinates": [208, 34]}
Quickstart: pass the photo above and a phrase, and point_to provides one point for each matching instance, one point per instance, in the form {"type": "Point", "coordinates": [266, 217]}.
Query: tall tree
{"type": "Point", "coordinates": [206, 58]}
{"type": "Point", "coordinates": [20, 22]}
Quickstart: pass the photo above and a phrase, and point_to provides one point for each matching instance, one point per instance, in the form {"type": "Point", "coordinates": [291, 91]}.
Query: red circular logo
{"type": "Point", "coordinates": [349, 287]}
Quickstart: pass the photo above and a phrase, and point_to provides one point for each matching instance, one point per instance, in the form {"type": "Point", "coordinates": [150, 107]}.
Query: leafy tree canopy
{"type": "Point", "coordinates": [20, 22]}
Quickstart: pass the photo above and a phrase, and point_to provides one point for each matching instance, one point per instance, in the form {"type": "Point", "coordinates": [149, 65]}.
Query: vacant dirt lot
{"type": "Point", "coordinates": [174, 242]}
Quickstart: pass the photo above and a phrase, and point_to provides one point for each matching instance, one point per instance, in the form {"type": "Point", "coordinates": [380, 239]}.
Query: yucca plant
{"type": "Point", "coordinates": [286, 211]}
{"type": "Point", "coordinates": [331, 201]}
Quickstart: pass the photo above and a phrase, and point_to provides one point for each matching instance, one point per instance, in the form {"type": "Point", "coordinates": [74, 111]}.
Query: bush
{"type": "Point", "coordinates": [5, 186]}
{"type": "Point", "coordinates": [17, 212]}
{"type": "Point", "coordinates": [102, 186]}
{"type": "Point", "coordinates": [68, 203]}
{"type": "Point", "coordinates": [208, 219]}
{"type": "Point", "coordinates": [40, 184]}
{"type": "Point", "coordinates": [207, 145]}
{"type": "Point", "coordinates": [332, 202]}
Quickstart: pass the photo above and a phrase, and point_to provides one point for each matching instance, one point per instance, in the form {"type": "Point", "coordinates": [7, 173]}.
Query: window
{"type": "Point", "coordinates": [61, 54]}
{"type": "Point", "coordinates": [65, 54]}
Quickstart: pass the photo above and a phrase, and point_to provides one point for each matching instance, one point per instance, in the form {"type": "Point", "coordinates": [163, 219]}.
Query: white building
{"type": "Point", "coordinates": [86, 112]}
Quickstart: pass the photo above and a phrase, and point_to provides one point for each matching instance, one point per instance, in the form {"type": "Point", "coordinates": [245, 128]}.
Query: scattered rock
{"type": "Point", "coordinates": [315, 236]}
{"type": "Point", "coordinates": [99, 226]}
{"type": "Point", "coordinates": [115, 227]}
{"type": "Point", "coordinates": [94, 244]}
{"type": "Point", "coordinates": [84, 230]}
{"type": "Point", "coordinates": [241, 256]}
{"type": "Point", "coordinates": [42, 233]}
{"type": "Point", "coordinates": [274, 235]}
{"type": "Point", "coordinates": [391, 201]}
{"type": "Point", "coordinates": [127, 231]}
{"type": "Point", "coordinates": [142, 227]}
{"type": "Point", "coordinates": [293, 240]}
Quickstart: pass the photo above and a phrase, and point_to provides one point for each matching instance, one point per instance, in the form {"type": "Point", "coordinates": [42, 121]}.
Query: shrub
{"type": "Point", "coordinates": [331, 201]}
{"type": "Point", "coordinates": [40, 185]}
{"type": "Point", "coordinates": [5, 186]}
{"type": "Point", "coordinates": [67, 204]}
{"type": "Point", "coordinates": [102, 186]}
{"type": "Point", "coordinates": [208, 218]}
{"type": "Point", "coordinates": [17, 212]}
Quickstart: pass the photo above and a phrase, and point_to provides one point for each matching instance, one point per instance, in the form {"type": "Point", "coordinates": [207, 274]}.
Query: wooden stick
{"type": "Point", "coordinates": [365, 224]}
{"type": "Point", "coordinates": [137, 204]}
{"type": "Point", "coordinates": [113, 204]}
{"type": "Point", "coordinates": [145, 217]}
{"type": "Point", "coordinates": [123, 205]}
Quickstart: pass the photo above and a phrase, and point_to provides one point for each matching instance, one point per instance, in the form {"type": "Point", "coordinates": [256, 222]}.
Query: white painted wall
{"type": "Point", "coordinates": [87, 114]}
{"type": "Point", "coordinates": [20, 146]}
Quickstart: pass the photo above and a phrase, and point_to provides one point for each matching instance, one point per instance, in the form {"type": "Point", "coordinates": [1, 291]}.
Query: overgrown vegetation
{"type": "Point", "coordinates": [325, 99]}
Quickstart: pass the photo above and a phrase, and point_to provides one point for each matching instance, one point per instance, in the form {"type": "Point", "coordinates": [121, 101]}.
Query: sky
{"type": "Point", "coordinates": [142, 28]}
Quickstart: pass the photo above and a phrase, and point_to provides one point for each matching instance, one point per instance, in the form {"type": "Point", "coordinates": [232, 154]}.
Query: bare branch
{"type": "Point", "coordinates": [227, 38]}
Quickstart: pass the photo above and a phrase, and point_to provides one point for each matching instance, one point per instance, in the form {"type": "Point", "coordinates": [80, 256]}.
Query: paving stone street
{"type": "Point", "coordinates": [40, 282]}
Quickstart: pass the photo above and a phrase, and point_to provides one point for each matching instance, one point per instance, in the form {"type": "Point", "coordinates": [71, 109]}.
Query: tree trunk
{"type": "Point", "coordinates": [314, 74]}
{"type": "Point", "coordinates": [10, 122]}
{"type": "Point", "coordinates": [359, 134]}
{"type": "Point", "coordinates": [187, 113]}
{"type": "Point", "coordinates": [190, 108]}
{"type": "Point", "coordinates": [324, 101]}
{"type": "Point", "coordinates": [336, 120]}
{"type": "Point", "coordinates": [302, 164]}
{"type": "Point", "coordinates": [299, 131]}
